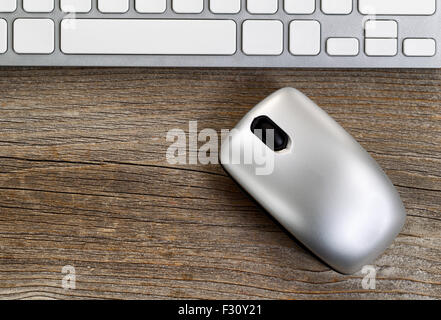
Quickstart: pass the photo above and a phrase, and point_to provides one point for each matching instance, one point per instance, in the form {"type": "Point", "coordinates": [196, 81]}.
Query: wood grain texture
{"type": "Point", "coordinates": [84, 182]}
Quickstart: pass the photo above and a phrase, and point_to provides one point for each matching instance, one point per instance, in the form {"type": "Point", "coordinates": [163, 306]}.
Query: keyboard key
{"type": "Point", "coordinates": [337, 6]}
{"type": "Point", "coordinates": [262, 6]}
{"type": "Point", "coordinates": [8, 5]}
{"type": "Point", "coordinates": [381, 29]}
{"type": "Point", "coordinates": [419, 47]}
{"type": "Point", "coordinates": [33, 36]}
{"type": "Point", "coordinates": [138, 36]}
{"type": "Point", "coordinates": [381, 47]}
{"type": "Point", "coordinates": [342, 46]}
{"type": "Point", "coordinates": [300, 6]}
{"type": "Point", "coordinates": [188, 6]}
{"type": "Point", "coordinates": [151, 6]}
{"type": "Point", "coordinates": [113, 6]}
{"type": "Point", "coordinates": [304, 37]}
{"type": "Point", "coordinates": [80, 6]}
{"type": "Point", "coordinates": [225, 6]}
{"type": "Point", "coordinates": [3, 36]}
{"type": "Point", "coordinates": [397, 7]}
{"type": "Point", "coordinates": [38, 5]}
{"type": "Point", "coordinates": [262, 37]}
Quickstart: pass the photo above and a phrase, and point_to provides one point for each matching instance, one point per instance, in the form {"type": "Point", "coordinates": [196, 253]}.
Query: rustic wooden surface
{"type": "Point", "coordinates": [84, 182]}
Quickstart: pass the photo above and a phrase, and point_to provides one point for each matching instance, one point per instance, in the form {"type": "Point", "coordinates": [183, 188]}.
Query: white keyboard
{"type": "Point", "coordinates": [224, 33]}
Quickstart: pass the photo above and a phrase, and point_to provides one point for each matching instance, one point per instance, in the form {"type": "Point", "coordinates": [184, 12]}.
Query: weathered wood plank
{"type": "Point", "coordinates": [84, 182]}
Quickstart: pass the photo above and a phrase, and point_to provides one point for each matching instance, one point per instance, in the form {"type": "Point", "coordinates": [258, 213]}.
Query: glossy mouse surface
{"type": "Point", "coordinates": [322, 186]}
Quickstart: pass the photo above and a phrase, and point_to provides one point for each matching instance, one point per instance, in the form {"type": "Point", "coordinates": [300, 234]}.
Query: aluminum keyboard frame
{"type": "Point", "coordinates": [351, 25]}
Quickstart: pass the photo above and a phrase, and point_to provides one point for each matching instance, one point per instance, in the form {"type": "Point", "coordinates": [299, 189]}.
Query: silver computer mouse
{"type": "Point", "coordinates": [315, 179]}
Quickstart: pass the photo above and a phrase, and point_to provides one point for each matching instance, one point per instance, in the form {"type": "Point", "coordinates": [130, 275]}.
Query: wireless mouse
{"type": "Point", "coordinates": [315, 179]}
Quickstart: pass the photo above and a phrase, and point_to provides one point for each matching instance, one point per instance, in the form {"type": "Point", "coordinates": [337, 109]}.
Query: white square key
{"type": "Point", "coordinates": [38, 5]}
{"type": "Point", "coordinates": [300, 6]}
{"type": "Point", "coordinates": [381, 29]}
{"type": "Point", "coordinates": [3, 36]}
{"type": "Point", "coordinates": [342, 46]}
{"type": "Point", "coordinates": [262, 6]}
{"type": "Point", "coordinates": [151, 6]}
{"type": "Point", "coordinates": [419, 47]}
{"type": "Point", "coordinates": [34, 36]}
{"type": "Point", "coordinates": [304, 37]}
{"type": "Point", "coordinates": [337, 6]}
{"type": "Point", "coordinates": [188, 6]}
{"type": "Point", "coordinates": [225, 6]}
{"type": "Point", "coordinates": [113, 6]}
{"type": "Point", "coordinates": [80, 6]}
{"type": "Point", "coordinates": [8, 5]}
{"type": "Point", "coordinates": [262, 37]}
{"type": "Point", "coordinates": [381, 47]}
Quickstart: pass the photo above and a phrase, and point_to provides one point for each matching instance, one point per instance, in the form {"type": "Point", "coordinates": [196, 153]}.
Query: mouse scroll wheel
{"type": "Point", "coordinates": [270, 133]}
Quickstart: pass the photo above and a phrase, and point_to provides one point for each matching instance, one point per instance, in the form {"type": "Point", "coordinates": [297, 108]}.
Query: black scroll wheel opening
{"type": "Point", "coordinates": [261, 127]}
